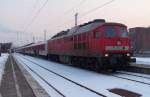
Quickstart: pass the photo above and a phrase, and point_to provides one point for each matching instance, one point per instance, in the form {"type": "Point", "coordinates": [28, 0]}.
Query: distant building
{"type": "Point", "coordinates": [5, 47]}
{"type": "Point", "coordinates": [140, 37]}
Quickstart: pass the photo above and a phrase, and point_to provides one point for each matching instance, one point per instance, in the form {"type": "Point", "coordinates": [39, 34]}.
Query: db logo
{"type": "Point", "coordinates": [118, 42]}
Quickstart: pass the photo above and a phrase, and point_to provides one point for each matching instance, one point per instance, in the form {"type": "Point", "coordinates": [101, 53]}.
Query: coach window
{"type": "Point", "coordinates": [97, 35]}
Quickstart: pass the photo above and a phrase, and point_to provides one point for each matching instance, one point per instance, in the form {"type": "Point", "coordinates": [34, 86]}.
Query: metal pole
{"type": "Point", "coordinates": [76, 19]}
{"type": "Point", "coordinates": [46, 44]}
{"type": "Point", "coordinates": [33, 39]}
{"type": "Point", "coordinates": [45, 35]}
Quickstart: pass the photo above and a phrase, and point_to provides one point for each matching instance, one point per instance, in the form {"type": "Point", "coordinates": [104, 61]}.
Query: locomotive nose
{"type": "Point", "coordinates": [117, 44]}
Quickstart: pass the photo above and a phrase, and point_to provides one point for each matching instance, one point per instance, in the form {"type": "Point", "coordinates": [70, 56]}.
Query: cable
{"type": "Point", "coordinates": [90, 11]}
{"type": "Point", "coordinates": [28, 15]}
{"type": "Point", "coordinates": [32, 10]}
{"type": "Point", "coordinates": [71, 9]}
{"type": "Point", "coordinates": [94, 9]}
{"type": "Point", "coordinates": [35, 16]}
{"type": "Point", "coordinates": [78, 5]}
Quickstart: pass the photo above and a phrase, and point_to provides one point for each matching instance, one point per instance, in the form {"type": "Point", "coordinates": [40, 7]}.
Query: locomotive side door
{"type": "Point", "coordinates": [95, 41]}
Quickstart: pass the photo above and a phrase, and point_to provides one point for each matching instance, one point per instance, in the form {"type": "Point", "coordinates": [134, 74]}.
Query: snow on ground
{"type": "Point", "coordinates": [138, 74]}
{"type": "Point", "coordinates": [48, 89]}
{"type": "Point", "coordinates": [3, 59]}
{"type": "Point", "coordinates": [68, 88]}
{"type": "Point", "coordinates": [143, 60]}
{"type": "Point", "coordinates": [135, 77]}
{"type": "Point", "coordinates": [99, 82]}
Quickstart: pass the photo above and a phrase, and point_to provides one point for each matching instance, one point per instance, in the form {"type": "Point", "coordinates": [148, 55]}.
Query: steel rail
{"type": "Point", "coordinates": [67, 79]}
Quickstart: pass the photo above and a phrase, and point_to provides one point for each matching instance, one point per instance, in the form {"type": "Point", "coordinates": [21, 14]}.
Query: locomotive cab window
{"type": "Point", "coordinates": [123, 32]}
{"type": "Point", "coordinates": [110, 32]}
{"type": "Point", "coordinates": [97, 35]}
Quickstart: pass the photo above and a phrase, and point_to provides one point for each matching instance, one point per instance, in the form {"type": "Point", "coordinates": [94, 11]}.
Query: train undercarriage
{"type": "Point", "coordinates": [111, 62]}
{"type": "Point", "coordinates": [95, 63]}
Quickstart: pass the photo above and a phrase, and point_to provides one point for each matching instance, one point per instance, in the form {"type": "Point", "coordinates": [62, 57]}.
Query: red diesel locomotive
{"type": "Point", "coordinates": [96, 44]}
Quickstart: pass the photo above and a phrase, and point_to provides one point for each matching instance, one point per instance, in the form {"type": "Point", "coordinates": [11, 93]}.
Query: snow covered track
{"type": "Point", "coordinates": [133, 74]}
{"type": "Point", "coordinates": [93, 91]}
{"type": "Point", "coordinates": [131, 78]}
{"type": "Point", "coordinates": [142, 65]}
{"type": "Point", "coordinates": [104, 84]}
{"type": "Point", "coordinates": [44, 80]}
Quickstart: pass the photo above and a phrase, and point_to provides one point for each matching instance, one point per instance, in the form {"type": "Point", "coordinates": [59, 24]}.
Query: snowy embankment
{"type": "Point", "coordinates": [96, 81]}
{"type": "Point", "coordinates": [3, 59]}
{"type": "Point", "coordinates": [143, 60]}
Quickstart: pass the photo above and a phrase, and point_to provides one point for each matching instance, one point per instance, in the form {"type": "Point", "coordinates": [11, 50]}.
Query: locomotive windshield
{"type": "Point", "coordinates": [123, 32]}
{"type": "Point", "coordinates": [110, 32]}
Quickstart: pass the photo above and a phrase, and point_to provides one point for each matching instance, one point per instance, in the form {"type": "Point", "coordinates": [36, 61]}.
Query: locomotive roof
{"type": "Point", "coordinates": [83, 28]}
{"type": "Point", "coordinates": [112, 23]}
{"type": "Point", "coordinates": [80, 28]}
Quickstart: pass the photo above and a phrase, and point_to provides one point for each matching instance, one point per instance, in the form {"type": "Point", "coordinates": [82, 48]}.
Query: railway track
{"type": "Point", "coordinates": [44, 80]}
{"type": "Point", "coordinates": [132, 74]}
{"type": "Point", "coordinates": [131, 77]}
{"type": "Point", "coordinates": [119, 74]}
{"type": "Point", "coordinates": [114, 75]}
{"type": "Point", "coordinates": [76, 83]}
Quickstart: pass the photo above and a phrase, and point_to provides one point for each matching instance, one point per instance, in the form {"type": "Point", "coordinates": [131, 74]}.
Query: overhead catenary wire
{"type": "Point", "coordinates": [88, 12]}
{"type": "Point", "coordinates": [96, 8]}
{"type": "Point", "coordinates": [33, 9]}
{"type": "Point", "coordinates": [92, 10]}
{"type": "Point", "coordinates": [24, 24]}
{"type": "Point", "coordinates": [75, 7]}
{"type": "Point", "coordinates": [70, 10]}
{"type": "Point", "coordinates": [35, 16]}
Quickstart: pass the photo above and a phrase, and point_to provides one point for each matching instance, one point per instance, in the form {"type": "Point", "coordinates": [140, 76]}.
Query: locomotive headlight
{"type": "Point", "coordinates": [128, 54]}
{"type": "Point", "coordinates": [106, 55]}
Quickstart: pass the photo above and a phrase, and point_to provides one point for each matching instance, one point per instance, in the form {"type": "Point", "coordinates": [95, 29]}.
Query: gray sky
{"type": "Point", "coordinates": [57, 15]}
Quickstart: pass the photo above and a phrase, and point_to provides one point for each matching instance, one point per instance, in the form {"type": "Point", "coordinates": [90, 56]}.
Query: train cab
{"type": "Point", "coordinates": [113, 43]}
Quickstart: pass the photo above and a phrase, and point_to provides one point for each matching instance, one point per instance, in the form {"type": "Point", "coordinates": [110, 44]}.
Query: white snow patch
{"type": "Point", "coordinates": [3, 59]}
{"type": "Point", "coordinates": [143, 60]}
{"type": "Point", "coordinates": [99, 82]}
